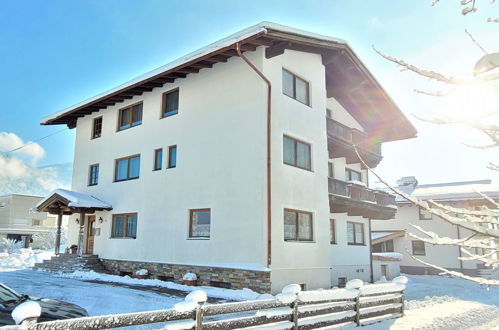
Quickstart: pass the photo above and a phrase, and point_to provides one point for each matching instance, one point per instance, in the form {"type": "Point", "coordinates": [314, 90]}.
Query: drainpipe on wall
{"type": "Point", "coordinates": [269, 176]}
{"type": "Point", "coordinates": [459, 249]}
{"type": "Point", "coordinates": [371, 253]}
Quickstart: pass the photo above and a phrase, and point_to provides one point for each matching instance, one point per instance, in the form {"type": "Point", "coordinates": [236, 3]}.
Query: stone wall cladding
{"type": "Point", "coordinates": [258, 281]}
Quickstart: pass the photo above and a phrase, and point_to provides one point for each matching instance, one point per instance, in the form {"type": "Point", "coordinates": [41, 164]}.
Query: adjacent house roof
{"type": "Point", "coordinates": [381, 236]}
{"type": "Point", "coordinates": [71, 202]}
{"type": "Point", "coordinates": [451, 191]}
{"type": "Point", "coordinates": [347, 79]}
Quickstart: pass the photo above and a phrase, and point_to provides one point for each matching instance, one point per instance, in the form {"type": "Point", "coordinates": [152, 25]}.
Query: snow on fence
{"type": "Point", "coordinates": [357, 304]}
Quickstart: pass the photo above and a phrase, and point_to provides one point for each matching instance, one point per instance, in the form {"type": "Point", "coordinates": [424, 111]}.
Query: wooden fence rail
{"type": "Point", "coordinates": [293, 309]}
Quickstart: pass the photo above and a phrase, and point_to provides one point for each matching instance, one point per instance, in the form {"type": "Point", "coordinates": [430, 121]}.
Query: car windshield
{"type": "Point", "coordinates": [7, 294]}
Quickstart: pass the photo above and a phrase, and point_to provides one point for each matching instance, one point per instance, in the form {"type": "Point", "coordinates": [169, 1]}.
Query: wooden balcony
{"type": "Point", "coordinates": [341, 139]}
{"type": "Point", "coordinates": [357, 200]}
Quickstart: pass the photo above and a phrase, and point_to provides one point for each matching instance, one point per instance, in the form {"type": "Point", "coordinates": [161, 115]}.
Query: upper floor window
{"type": "Point", "coordinates": [355, 233]}
{"type": "Point", "coordinates": [330, 170]}
{"type": "Point", "coordinates": [297, 226]}
{"type": "Point", "coordinates": [127, 168]}
{"type": "Point", "coordinates": [130, 116]}
{"type": "Point", "coordinates": [172, 156]}
{"type": "Point", "coordinates": [424, 214]}
{"type": "Point", "coordinates": [169, 105]}
{"type": "Point", "coordinates": [352, 175]}
{"type": "Point", "coordinates": [124, 225]}
{"type": "Point", "coordinates": [158, 159]}
{"type": "Point", "coordinates": [332, 231]}
{"type": "Point", "coordinates": [295, 87]}
{"type": "Point", "coordinates": [418, 248]}
{"type": "Point", "coordinates": [386, 246]}
{"type": "Point", "coordinates": [93, 175]}
{"type": "Point", "coordinates": [97, 128]}
{"type": "Point", "coordinates": [329, 113]}
{"type": "Point", "coordinates": [199, 223]}
{"type": "Point", "coordinates": [297, 153]}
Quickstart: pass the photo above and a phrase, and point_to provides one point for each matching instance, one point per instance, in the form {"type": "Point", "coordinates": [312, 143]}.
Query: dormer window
{"type": "Point", "coordinates": [295, 87]}
{"type": "Point", "coordinates": [130, 116]}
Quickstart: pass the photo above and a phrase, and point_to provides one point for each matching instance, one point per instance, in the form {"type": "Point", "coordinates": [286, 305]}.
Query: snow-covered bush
{"type": "Point", "coordinates": [46, 240]}
{"type": "Point", "coordinates": [10, 246]}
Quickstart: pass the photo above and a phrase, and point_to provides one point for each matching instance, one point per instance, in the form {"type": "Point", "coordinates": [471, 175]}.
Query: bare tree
{"type": "Point", "coordinates": [482, 222]}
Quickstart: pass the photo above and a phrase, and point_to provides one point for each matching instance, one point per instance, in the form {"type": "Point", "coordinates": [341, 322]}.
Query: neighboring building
{"type": "Point", "coordinates": [181, 155]}
{"type": "Point", "coordinates": [20, 223]}
{"type": "Point", "coordinates": [390, 235]}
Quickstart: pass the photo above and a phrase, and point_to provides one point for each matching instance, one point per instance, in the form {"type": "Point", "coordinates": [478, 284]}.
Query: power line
{"type": "Point", "coordinates": [35, 141]}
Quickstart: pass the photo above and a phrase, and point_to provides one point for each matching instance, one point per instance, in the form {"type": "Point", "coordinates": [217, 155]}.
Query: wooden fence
{"type": "Point", "coordinates": [293, 309]}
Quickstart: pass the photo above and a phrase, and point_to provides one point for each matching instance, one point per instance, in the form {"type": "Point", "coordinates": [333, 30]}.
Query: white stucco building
{"type": "Point", "coordinates": [238, 166]}
{"type": "Point", "coordinates": [390, 235]}
{"type": "Point", "coordinates": [19, 222]}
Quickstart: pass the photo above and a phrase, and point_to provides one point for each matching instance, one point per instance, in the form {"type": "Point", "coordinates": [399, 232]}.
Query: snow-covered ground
{"type": "Point", "coordinates": [22, 259]}
{"type": "Point", "coordinates": [432, 302]}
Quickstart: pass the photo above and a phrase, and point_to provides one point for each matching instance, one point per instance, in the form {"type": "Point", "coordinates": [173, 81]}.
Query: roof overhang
{"type": "Point", "coordinates": [347, 79]}
{"type": "Point", "coordinates": [386, 236]}
{"type": "Point", "coordinates": [67, 202]}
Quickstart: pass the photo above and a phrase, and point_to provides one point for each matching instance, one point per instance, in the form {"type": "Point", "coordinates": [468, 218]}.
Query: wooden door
{"type": "Point", "coordinates": [90, 234]}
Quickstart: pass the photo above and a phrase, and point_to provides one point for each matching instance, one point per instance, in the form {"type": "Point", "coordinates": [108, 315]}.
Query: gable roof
{"type": "Point", "coordinates": [348, 80]}
{"type": "Point", "coordinates": [71, 202]}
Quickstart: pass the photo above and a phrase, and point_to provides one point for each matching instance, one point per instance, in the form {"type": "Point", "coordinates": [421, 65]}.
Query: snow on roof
{"type": "Point", "coordinates": [387, 256]}
{"type": "Point", "coordinates": [225, 42]}
{"type": "Point", "coordinates": [380, 234]}
{"type": "Point", "coordinates": [77, 199]}
{"type": "Point", "coordinates": [451, 190]}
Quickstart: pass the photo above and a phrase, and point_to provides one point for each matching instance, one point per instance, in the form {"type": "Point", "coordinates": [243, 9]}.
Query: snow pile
{"type": "Point", "coordinates": [357, 183]}
{"type": "Point", "coordinates": [354, 284]}
{"type": "Point", "coordinates": [26, 310]}
{"type": "Point", "coordinates": [142, 272]}
{"type": "Point", "coordinates": [191, 301]}
{"type": "Point", "coordinates": [381, 288]}
{"type": "Point", "coordinates": [229, 294]}
{"type": "Point", "coordinates": [22, 258]}
{"type": "Point", "coordinates": [289, 293]}
{"type": "Point", "coordinates": [190, 277]}
{"type": "Point", "coordinates": [323, 295]}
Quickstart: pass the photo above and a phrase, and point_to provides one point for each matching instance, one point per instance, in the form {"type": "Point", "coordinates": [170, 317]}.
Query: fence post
{"type": "Point", "coordinates": [357, 309]}
{"type": "Point", "coordinates": [199, 316]}
{"type": "Point", "coordinates": [402, 308]}
{"type": "Point", "coordinates": [295, 313]}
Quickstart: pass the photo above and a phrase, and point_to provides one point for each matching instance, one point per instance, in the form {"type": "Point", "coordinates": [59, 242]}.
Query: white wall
{"type": "Point", "coordinates": [220, 134]}
{"type": "Point", "coordinates": [393, 269]}
{"type": "Point", "coordinates": [445, 256]}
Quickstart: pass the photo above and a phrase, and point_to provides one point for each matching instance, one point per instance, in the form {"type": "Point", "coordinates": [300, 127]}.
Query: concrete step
{"type": "Point", "coordinates": [68, 263]}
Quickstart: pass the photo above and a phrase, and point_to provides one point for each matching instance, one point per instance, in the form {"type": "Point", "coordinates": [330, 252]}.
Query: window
{"type": "Point", "coordinates": [418, 248]}
{"type": "Point", "coordinates": [330, 170]}
{"type": "Point", "coordinates": [158, 159]}
{"type": "Point", "coordinates": [424, 214]}
{"type": "Point", "coordinates": [295, 87]}
{"type": "Point", "coordinates": [352, 175]}
{"type": "Point", "coordinates": [127, 168]}
{"type": "Point", "coordinates": [97, 128]}
{"type": "Point", "coordinates": [329, 113]}
{"type": "Point", "coordinates": [342, 282]}
{"type": "Point", "coordinates": [172, 156]}
{"type": "Point", "coordinates": [169, 105]}
{"type": "Point", "coordinates": [130, 117]}
{"type": "Point", "coordinates": [332, 231]}
{"type": "Point", "coordinates": [355, 233]}
{"type": "Point", "coordinates": [386, 246]}
{"type": "Point", "coordinates": [93, 176]}
{"type": "Point", "coordinates": [297, 153]}
{"type": "Point", "coordinates": [124, 225]}
{"type": "Point", "coordinates": [199, 223]}
{"type": "Point", "coordinates": [297, 226]}
{"type": "Point", "coordinates": [37, 222]}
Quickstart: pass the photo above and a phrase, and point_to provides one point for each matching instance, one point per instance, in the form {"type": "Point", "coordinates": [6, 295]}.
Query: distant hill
{"type": "Point", "coordinates": [39, 180]}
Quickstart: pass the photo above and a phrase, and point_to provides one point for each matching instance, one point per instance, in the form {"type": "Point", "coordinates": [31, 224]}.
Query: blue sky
{"type": "Point", "coordinates": [57, 53]}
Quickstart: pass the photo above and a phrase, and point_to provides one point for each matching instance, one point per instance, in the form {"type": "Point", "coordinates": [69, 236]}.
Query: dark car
{"type": "Point", "coordinates": [51, 309]}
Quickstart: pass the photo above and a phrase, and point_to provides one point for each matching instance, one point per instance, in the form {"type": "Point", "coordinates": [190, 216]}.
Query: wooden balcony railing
{"type": "Point", "coordinates": [352, 136]}
{"type": "Point", "coordinates": [360, 193]}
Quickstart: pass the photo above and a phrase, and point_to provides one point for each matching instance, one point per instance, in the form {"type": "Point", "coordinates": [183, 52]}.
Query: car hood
{"type": "Point", "coordinates": [56, 310]}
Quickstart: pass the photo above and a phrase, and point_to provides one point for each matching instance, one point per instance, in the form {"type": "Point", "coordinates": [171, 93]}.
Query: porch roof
{"type": "Point", "coordinates": [70, 202]}
{"type": "Point", "coordinates": [381, 236]}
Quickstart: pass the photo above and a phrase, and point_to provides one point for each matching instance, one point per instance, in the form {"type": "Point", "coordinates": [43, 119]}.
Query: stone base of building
{"type": "Point", "coordinates": [418, 270]}
{"type": "Point", "coordinates": [230, 278]}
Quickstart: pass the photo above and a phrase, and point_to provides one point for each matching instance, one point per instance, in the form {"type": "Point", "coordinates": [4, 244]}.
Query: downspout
{"type": "Point", "coordinates": [269, 176]}
{"type": "Point", "coordinates": [371, 253]}
{"type": "Point", "coordinates": [459, 250]}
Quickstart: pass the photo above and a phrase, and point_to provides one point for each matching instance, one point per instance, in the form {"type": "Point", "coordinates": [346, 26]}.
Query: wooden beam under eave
{"type": "Point", "coordinates": [202, 65]}
{"type": "Point", "coordinates": [217, 59]}
{"type": "Point", "coordinates": [164, 80]}
{"type": "Point", "coordinates": [188, 70]}
{"type": "Point", "coordinates": [247, 47]}
{"type": "Point", "coordinates": [261, 42]}
{"type": "Point", "coordinates": [175, 75]}
{"type": "Point", "coordinates": [276, 49]}
{"type": "Point", "coordinates": [153, 84]}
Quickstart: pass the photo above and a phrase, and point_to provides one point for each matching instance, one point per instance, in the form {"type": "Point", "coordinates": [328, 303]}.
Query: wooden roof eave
{"type": "Point", "coordinates": [57, 204]}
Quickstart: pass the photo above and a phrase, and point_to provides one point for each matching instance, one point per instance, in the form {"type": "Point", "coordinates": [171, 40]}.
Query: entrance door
{"type": "Point", "coordinates": [90, 234]}
{"type": "Point", "coordinates": [384, 272]}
